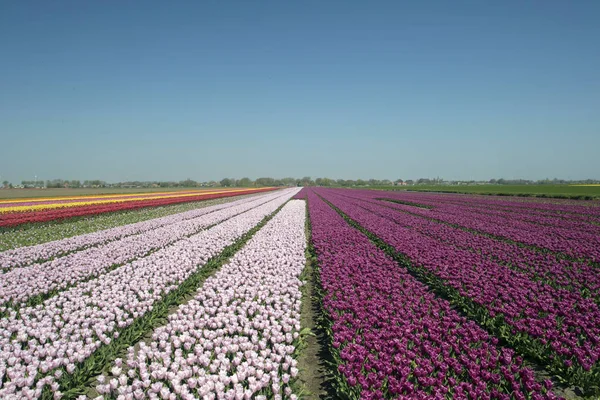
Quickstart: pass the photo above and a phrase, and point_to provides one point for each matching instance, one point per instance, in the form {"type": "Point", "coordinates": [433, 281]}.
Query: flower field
{"type": "Point", "coordinates": [499, 263]}
{"type": "Point", "coordinates": [23, 211]}
{"type": "Point", "coordinates": [416, 296]}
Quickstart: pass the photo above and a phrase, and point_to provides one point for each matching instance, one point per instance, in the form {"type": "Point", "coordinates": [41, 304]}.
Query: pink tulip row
{"type": "Point", "coordinates": [68, 328]}
{"type": "Point", "coordinates": [236, 338]}
{"type": "Point", "coordinates": [24, 256]}
{"type": "Point", "coordinates": [21, 284]}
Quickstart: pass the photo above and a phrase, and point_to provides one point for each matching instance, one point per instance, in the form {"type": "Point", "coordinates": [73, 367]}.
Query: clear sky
{"type": "Point", "coordinates": [143, 90]}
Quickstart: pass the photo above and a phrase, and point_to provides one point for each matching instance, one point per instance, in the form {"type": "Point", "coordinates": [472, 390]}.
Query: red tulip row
{"type": "Point", "coordinates": [14, 219]}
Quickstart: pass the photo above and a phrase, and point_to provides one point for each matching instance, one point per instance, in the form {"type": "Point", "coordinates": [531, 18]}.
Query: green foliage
{"type": "Point", "coordinates": [245, 182]}
{"type": "Point", "coordinates": [227, 182]}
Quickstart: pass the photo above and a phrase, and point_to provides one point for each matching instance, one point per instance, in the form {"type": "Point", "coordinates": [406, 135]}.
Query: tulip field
{"type": "Point", "coordinates": [34, 210]}
{"type": "Point", "coordinates": [415, 296]}
{"type": "Point", "coordinates": [447, 296]}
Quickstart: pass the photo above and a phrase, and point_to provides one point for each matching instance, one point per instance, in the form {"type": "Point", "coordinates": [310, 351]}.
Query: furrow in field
{"type": "Point", "coordinates": [46, 346]}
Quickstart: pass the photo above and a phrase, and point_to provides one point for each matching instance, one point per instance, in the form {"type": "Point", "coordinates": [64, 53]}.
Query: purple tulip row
{"type": "Point", "coordinates": [21, 284]}
{"type": "Point", "coordinates": [562, 327]}
{"type": "Point", "coordinates": [301, 194]}
{"type": "Point", "coordinates": [42, 341]}
{"type": "Point", "coordinates": [553, 221]}
{"type": "Point", "coordinates": [393, 338]}
{"type": "Point", "coordinates": [24, 256]}
{"type": "Point", "coordinates": [575, 219]}
{"type": "Point", "coordinates": [538, 266]}
{"type": "Point", "coordinates": [580, 209]}
{"type": "Point", "coordinates": [574, 243]}
{"type": "Point", "coordinates": [236, 339]}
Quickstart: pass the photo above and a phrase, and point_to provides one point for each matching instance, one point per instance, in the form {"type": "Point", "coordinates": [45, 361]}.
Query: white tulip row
{"type": "Point", "coordinates": [20, 284]}
{"type": "Point", "coordinates": [24, 256]}
{"type": "Point", "coordinates": [68, 328]}
{"type": "Point", "coordinates": [235, 339]}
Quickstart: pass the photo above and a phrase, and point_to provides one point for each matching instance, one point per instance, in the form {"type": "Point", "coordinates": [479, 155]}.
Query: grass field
{"type": "Point", "coordinates": [27, 193]}
{"type": "Point", "coordinates": [585, 192]}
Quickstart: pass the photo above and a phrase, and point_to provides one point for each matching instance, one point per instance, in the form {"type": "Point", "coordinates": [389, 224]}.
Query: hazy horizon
{"type": "Point", "coordinates": [348, 90]}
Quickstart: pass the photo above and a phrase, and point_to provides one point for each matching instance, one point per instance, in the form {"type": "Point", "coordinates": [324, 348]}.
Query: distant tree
{"type": "Point", "coordinates": [398, 181]}
{"type": "Point", "coordinates": [226, 182]}
{"type": "Point", "coordinates": [307, 181]}
{"type": "Point", "coordinates": [410, 182]}
{"type": "Point", "coordinates": [288, 181]}
{"type": "Point", "coordinates": [265, 182]}
{"type": "Point", "coordinates": [5, 184]}
{"type": "Point", "coordinates": [99, 183]}
{"type": "Point", "coordinates": [55, 183]}
{"type": "Point", "coordinates": [188, 183]}
{"type": "Point", "coordinates": [324, 182]}
{"type": "Point", "coordinates": [74, 184]}
{"type": "Point", "coordinates": [245, 182]}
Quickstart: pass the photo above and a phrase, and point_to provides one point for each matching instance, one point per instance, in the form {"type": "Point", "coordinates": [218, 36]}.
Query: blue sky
{"type": "Point", "coordinates": [143, 90]}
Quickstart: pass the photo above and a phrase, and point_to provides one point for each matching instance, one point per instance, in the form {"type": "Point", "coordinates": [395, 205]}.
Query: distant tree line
{"type": "Point", "coordinates": [60, 183]}
{"type": "Point", "coordinates": [268, 181]}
